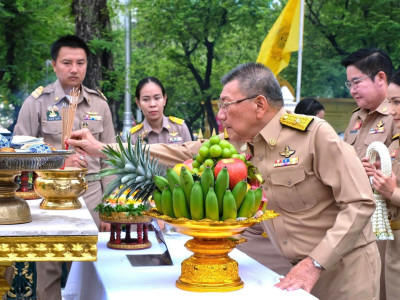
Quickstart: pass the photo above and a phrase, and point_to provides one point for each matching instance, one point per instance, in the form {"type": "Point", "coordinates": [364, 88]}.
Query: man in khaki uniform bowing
{"type": "Point", "coordinates": [40, 116]}
{"type": "Point", "coordinates": [368, 72]}
{"type": "Point", "coordinates": [312, 179]}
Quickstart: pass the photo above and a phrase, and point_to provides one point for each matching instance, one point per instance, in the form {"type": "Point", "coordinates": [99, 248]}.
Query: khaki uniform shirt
{"type": "Point", "coordinates": [40, 116]}
{"type": "Point", "coordinates": [174, 131]}
{"type": "Point", "coordinates": [325, 200]}
{"type": "Point", "coordinates": [365, 128]}
{"type": "Point", "coordinates": [392, 256]}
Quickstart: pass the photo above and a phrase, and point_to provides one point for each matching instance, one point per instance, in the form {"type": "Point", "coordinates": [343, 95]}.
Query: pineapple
{"type": "Point", "coordinates": [134, 170]}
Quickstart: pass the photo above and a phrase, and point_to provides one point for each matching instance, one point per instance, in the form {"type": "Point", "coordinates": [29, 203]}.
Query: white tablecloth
{"type": "Point", "coordinates": [113, 278]}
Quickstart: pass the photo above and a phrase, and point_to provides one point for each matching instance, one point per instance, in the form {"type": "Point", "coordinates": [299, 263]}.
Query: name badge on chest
{"type": "Point", "coordinates": [53, 114]}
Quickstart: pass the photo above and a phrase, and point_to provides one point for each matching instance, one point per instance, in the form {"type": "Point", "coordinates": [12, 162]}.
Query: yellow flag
{"type": "Point", "coordinates": [282, 39]}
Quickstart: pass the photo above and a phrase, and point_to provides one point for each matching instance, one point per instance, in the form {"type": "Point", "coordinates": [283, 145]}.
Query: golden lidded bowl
{"type": "Point", "coordinates": [60, 188]}
{"type": "Point", "coordinates": [210, 269]}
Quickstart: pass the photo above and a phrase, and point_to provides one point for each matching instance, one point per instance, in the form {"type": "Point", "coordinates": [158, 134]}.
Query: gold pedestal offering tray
{"type": "Point", "coordinates": [210, 269]}
{"type": "Point", "coordinates": [14, 210]}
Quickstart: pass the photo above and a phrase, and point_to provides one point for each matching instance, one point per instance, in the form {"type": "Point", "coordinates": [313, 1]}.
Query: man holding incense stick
{"type": "Point", "coordinates": [41, 116]}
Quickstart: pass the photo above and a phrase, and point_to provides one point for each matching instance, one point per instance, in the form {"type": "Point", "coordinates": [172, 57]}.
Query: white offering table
{"type": "Point", "coordinates": [53, 235]}
{"type": "Point", "coordinates": [112, 277]}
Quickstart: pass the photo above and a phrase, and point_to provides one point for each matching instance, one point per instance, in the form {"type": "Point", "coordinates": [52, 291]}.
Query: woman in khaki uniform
{"type": "Point", "coordinates": [389, 187]}
{"type": "Point", "coordinates": [312, 179]}
{"type": "Point", "coordinates": [157, 128]}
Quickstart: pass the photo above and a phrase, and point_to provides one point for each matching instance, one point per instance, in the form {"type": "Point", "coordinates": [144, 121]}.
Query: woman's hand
{"type": "Point", "coordinates": [384, 184]}
{"type": "Point", "coordinates": [76, 160]}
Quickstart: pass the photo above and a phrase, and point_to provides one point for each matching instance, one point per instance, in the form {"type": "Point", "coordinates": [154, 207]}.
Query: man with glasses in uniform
{"type": "Point", "coordinates": [312, 179]}
{"type": "Point", "coordinates": [368, 72]}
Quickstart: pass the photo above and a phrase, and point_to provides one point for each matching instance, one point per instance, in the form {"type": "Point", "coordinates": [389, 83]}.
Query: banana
{"type": "Point", "coordinates": [197, 202]}
{"type": "Point", "coordinates": [229, 206]}
{"type": "Point", "coordinates": [166, 202]}
{"type": "Point", "coordinates": [247, 205]}
{"type": "Point", "coordinates": [221, 184]}
{"type": "Point", "coordinates": [239, 192]}
{"type": "Point", "coordinates": [129, 167]}
{"type": "Point", "coordinates": [179, 203]}
{"type": "Point", "coordinates": [160, 182]}
{"type": "Point", "coordinates": [258, 194]}
{"type": "Point", "coordinates": [186, 180]}
{"type": "Point", "coordinates": [173, 178]}
{"type": "Point", "coordinates": [157, 200]}
{"type": "Point", "coordinates": [206, 180]}
{"type": "Point", "coordinates": [212, 211]}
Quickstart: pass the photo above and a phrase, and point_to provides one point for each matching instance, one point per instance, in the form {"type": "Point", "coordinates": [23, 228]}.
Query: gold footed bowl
{"type": "Point", "coordinates": [210, 269]}
{"type": "Point", "coordinates": [60, 188]}
{"type": "Point", "coordinates": [117, 241]}
{"type": "Point", "coordinates": [14, 210]}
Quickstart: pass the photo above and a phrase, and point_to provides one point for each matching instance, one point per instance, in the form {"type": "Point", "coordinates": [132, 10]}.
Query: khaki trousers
{"type": "Point", "coordinates": [356, 276]}
{"type": "Point", "coordinates": [262, 250]}
{"type": "Point", "coordinates": [392, 267]}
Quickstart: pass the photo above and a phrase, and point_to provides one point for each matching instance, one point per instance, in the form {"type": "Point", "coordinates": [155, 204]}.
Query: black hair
{"type": "Point", "coordinates": [256, 79]}
{"type": "Point", "coordinates": [308, 106]}
{"type": "Point", "coordinates": [68, 41]}
{"type": "Point", "coordinates": [146, 80]}
{"type": "Point", "coordinates": [370, 61]}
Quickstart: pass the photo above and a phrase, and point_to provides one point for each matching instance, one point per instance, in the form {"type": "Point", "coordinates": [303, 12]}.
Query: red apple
{"type": "Point", "coordinates": [237, 170]}
{"type": "Point", "coordinates": [189, 163]}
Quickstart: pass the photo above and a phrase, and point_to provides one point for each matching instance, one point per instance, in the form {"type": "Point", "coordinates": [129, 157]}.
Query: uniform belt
{"type": "Point", "coordinates": [93, 177]}
{"type": "Point", "coordinates": [395, 225]}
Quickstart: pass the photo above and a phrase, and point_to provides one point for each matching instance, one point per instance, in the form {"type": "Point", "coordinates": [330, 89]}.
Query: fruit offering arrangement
{"type": "Point", "coordinates": [213, 150]}
{"type": "Point", "coordinates": [213, 196]}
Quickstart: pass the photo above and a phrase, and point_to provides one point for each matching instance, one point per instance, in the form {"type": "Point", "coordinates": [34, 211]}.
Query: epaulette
{"type": "Point", "coordinates": [136, 128]}
{"type": "Point", "coordinates": [357, 109]}
{"type": "Point", "coordinates": [176, 120]}
{"type": "Point", "coordinates": [96, 92]}
{"type": "Point", "coordinates": [102, 95]}
{"type": "Point", "coordinates": [299, 122]}
{"type": "Point", "coordinates": [396, 137]}
{"type": "Point", "coordinates": [36, 93]}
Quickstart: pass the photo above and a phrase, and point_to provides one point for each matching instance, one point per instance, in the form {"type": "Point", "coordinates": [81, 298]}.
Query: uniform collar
{"type": "Point", "coordinates": [271, 131]}
{"type": "Point", "coordinates": [59, 93]}
{"type": "Point", "coordinates": [165, 124]}
{"type": "Point", "coordinates": [383, 108]}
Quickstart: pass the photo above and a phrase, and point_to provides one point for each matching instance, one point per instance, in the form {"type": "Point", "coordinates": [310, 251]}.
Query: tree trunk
{"type": "Point", "coordinates": [92, 21]}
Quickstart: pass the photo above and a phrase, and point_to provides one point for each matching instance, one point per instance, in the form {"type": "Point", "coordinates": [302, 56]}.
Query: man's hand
{"type": "Point", "coordinates": [302, 276]}
{"type": "Point", "coordinates": [76, 160]}
{"type": "Point", "coordinates": [84, 142]}
{"type": "Point", "coordinates": [105, 226]}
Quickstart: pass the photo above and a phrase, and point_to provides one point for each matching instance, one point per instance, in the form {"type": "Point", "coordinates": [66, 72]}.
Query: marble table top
{"type": "Point", "coordinates": [76, 222]}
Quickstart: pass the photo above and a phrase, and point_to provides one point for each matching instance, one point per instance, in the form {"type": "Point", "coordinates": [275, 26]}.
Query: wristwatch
{"type": "Point", "coordinates": [316, 264]}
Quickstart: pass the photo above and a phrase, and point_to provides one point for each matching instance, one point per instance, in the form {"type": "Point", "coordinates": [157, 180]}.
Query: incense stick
{"type": "Point", "coordinates": [68, 116]}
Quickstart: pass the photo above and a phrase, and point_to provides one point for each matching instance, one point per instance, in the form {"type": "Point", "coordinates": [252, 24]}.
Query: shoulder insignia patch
{"type": "Point", "coordinates": [396, 137]}
{"type": "Point", "coordinates": [102, 95]}
{"type": "Point", "coordinates": [357, 109]}
{"type": "Point", "coordinates": [176, 120]}
{"type": "Point", "coordinates": [296, 121]}
{"type": "Point", "coordinates": [36, 93]}
{"type": "Point", "coordinates": [136, 128]}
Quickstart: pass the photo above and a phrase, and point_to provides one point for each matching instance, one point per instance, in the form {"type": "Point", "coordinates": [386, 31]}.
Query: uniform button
{"type": "Point", "coordinates": [260, 158]}
{"type": "Point", "coordinates": [289, 182]}
{"type": "Point", "coordinates": [284, 242]}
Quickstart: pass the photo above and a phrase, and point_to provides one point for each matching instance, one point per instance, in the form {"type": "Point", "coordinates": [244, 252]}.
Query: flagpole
{"type": "Point", "coordinates": [300, 56]}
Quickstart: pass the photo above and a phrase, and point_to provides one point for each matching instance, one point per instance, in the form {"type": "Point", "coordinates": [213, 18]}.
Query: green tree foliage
{"type": "Point", "coordinates": [189, 44]}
